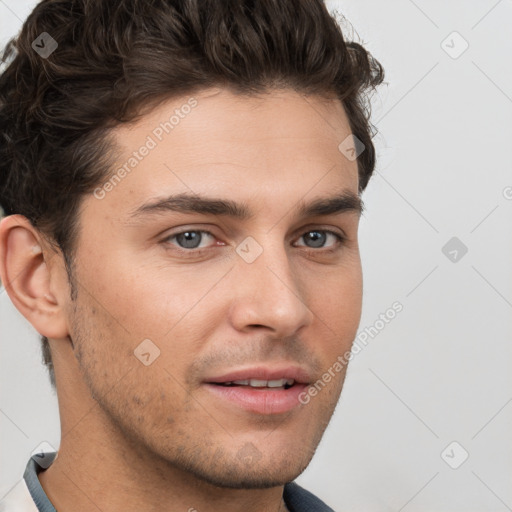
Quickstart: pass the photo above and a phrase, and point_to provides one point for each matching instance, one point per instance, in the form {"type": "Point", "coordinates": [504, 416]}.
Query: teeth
{"type": "Point", "coordinates": [276, 383]}
{"type": "Point", "coordinates": [256, 383]}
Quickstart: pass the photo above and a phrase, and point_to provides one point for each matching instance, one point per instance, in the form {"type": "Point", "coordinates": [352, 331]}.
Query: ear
{"type": "Point", "coordinates": [36, 288]}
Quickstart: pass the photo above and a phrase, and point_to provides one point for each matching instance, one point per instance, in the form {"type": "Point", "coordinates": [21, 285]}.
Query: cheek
{"type": "Point", "coordinates": [113, 362]}
{"type": "Point", "coordinates": [337, 303]}
{"type": "Point", "coordinates": [144, 300]}
{"type": "Point", "coordinates": [337, 291]}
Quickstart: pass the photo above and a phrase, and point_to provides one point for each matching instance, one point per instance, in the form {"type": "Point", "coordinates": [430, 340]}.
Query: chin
{"type": "Point", "coordinates": [244, 471]}
{"type": "Point", "coordinates": [257, 478]}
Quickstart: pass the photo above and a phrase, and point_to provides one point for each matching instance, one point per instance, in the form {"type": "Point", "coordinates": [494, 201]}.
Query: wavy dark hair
{"type": "Point", "coordinates": [118, 59]}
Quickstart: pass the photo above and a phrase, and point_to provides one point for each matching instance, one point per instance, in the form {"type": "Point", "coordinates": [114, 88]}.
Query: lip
{"type": "Point", "coordinates": [260, 401]}
{"type": "Point", "coordinates": [298, 374]}
{"type": "Point", "coordinates": [266, 401]}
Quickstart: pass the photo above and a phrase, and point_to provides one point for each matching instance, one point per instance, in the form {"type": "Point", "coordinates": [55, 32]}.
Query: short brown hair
{"type": "Point", "coordinates": [116, 59]}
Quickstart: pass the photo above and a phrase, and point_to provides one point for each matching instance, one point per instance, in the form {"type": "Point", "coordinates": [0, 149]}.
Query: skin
{"type": "Point", "coordinates": [156, 427]}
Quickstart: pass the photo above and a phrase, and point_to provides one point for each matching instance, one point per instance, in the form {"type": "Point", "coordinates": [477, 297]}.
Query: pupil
{"type": "Point", "coordinates": [189, 239]}
{"type": "Point", "coordinates": [317, 238]}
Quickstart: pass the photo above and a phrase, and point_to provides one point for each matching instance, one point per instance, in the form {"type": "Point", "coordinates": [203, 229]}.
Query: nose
{"type": "Point", "coordinates": [268, 293]}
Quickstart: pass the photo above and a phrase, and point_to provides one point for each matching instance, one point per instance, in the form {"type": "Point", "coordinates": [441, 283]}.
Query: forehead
{"type": "Point", "coordinates": [273, 145]}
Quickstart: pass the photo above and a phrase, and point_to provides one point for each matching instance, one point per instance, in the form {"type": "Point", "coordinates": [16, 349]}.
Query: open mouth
{"type": "Point", "coordinates": [259, 384]}
{"type": "Point", "coordinates": [271, 389]}
{"type": "Point", "coordinates": [259, 396]}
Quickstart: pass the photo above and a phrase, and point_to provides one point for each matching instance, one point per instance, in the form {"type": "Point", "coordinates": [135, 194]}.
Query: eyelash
{"type": "Point", "coordinates": [199, 252]}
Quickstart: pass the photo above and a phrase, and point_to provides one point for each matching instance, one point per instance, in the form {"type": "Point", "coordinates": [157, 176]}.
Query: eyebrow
{"type": "Point", "coordinates": [346, 201]}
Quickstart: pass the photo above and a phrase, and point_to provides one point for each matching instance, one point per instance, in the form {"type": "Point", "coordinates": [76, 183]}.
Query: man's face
{"type": "Point", "coordinates": [198, 296]}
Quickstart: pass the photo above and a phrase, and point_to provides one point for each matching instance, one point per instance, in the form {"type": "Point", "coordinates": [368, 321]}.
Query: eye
{"type": "Point", "coordinates": [190, 239]}
{"type": "Point", "coordinates": [194, 241]}
{"type": "Point", "coordinates": [318, 237]}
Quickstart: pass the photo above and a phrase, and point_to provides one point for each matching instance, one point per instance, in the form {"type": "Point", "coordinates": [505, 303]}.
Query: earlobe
{"type": "Point", "coordinates": [26, 273]}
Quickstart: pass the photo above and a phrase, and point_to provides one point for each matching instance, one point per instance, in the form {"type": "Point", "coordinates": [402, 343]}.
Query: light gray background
{"type": "Point", "coordinates": [440, 371]}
